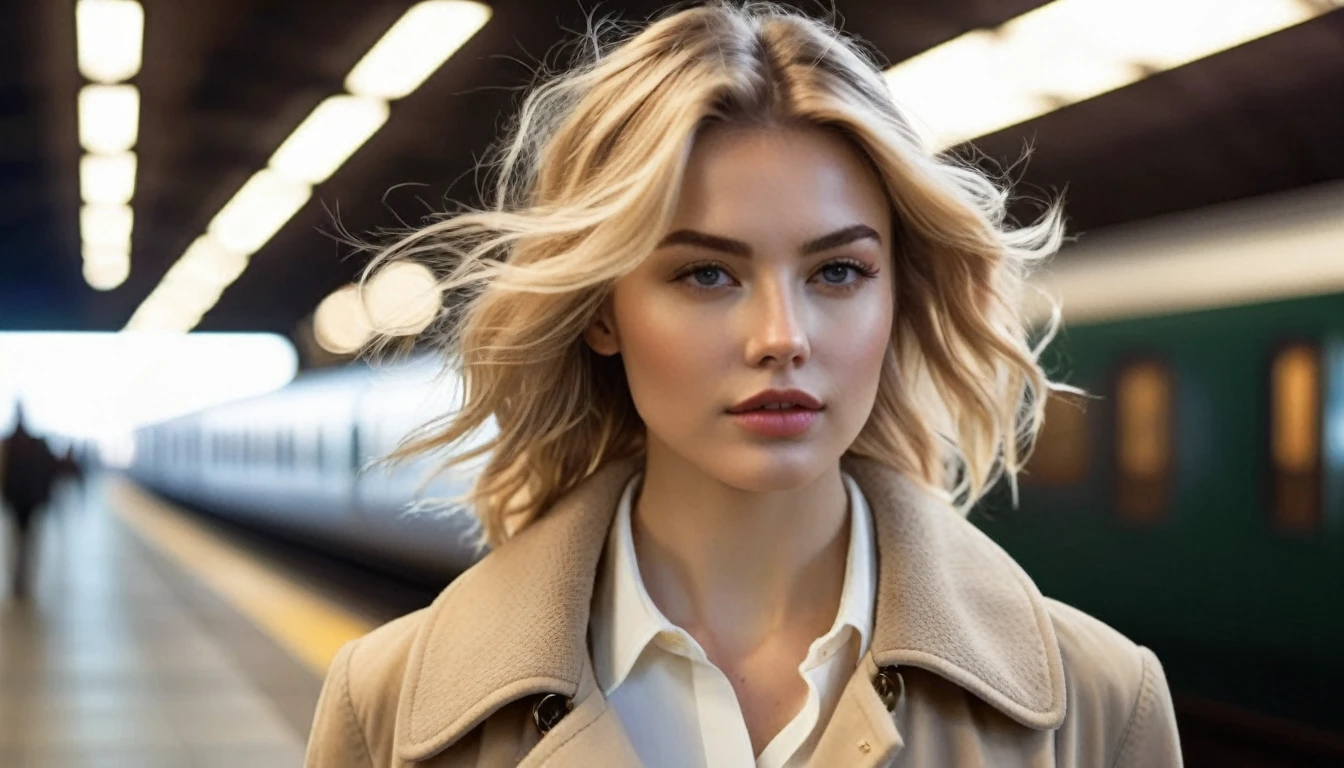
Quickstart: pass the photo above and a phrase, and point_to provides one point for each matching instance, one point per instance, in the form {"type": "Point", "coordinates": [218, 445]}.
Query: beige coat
{"type": "Point", "coordinates": [969, 665]}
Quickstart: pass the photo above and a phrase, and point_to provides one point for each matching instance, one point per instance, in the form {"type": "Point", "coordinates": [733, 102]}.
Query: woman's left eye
{"type": "Point", "coordinates": [839, 271]}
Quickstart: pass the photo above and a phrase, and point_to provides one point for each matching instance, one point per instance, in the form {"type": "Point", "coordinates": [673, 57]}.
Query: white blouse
{"type": "Point", "coordinates": [677, 707]}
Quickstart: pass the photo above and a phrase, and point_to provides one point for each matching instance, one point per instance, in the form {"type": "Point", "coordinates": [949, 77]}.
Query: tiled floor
{"type": "Point", "coordinates": [118, 659]}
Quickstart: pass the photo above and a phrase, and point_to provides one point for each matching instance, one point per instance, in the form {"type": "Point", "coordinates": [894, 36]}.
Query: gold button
{"type": "Point", "coordinates": [864, 747]}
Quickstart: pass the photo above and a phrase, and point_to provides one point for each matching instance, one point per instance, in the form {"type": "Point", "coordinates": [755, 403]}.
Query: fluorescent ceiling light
{"type": "Point", "coordinates": [201, 273]}
{"type": "Point", "coordinates": [169, 312]}
{"type": "Point", "coordinates": [258, 211]}
{"type": "Point", "coordinates": [105, 254]}
{"type": "Point", "coordinates": [107, 178]}
{"type": "Point", "coordinates": [106, 226]}
{"type": "Point", "coordinates": [223, 265]}
{"type": "Point", "coordinates": [402, 299]}
{"type": "Point", "coordinates": [106, 275]}
{"type": "Point", "coordinates": [1068, 51]}
{"type": "Point", "coordinates": [421, 40]}
{"type": "Point", "coordinates": [340, 324]}
{"type": "Point", "coordinates": [155, 315]}
{"type": "Point", "coordinates": [417, 44]}
{"type": "Point", "coordinates": [186, 310]}
{"type": "Point", "coordinates": [328, 137]}
{"type": "Point", "coordinates": [110, 34]}
{"type": "Point", "coordinates": [109, 117]}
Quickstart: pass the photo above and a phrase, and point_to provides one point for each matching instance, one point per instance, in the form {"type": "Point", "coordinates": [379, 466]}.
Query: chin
{"type": "Point", "coordinates": [765, 467]}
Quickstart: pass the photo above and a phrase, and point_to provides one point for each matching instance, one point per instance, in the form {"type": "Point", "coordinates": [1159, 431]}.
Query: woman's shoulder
{"type": "Point", "coordinates": [1113, 680]}
{"type": "Point", "coordinates": [357, 709]}
{"type": "Point", "coordinates": [378, 659]}
{"type": "Point", "coordinates": [1094, 649]}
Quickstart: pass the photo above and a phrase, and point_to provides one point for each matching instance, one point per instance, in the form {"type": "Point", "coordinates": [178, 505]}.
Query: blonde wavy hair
{"type": "Point", "coordinates": [587, 180]}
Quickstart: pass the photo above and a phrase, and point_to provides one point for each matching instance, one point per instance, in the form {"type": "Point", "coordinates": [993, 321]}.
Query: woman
{"type": "Point", "coordinates": [752, 353]}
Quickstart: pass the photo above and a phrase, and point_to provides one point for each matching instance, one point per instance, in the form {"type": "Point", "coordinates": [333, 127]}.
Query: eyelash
{"type": "Point", "coordinates": [863, 271]}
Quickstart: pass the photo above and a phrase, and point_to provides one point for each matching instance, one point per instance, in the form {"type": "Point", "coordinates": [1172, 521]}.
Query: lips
{"type": "Point", "coordinates": [795, 399]}
{"type": "Point", "coordinates": [777, 423]}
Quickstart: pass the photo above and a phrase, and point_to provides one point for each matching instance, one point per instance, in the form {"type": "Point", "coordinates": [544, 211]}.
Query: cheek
{"type": "Point", "coordinates": [855, 354]}
{"type": "Point", "coordinates": [861, 336]}
{"type": "Point", "coordinates": [669, 351]}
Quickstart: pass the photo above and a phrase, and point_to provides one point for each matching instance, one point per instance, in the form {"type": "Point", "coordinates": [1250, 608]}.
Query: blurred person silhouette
{"type": "Point", "coordinates": [28, 469]}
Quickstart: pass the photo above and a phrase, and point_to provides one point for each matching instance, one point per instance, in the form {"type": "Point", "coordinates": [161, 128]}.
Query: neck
{"type": "Point", "coordinates": [735, 567]}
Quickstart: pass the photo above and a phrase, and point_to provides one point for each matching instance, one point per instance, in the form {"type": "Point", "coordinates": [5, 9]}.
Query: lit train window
{"type": "Point", "coordinates": [1295, 436]}
{"type": "Point", "coordinates": [1143, 440]}
{"type": "Point", "coordinates": [1062, 452]}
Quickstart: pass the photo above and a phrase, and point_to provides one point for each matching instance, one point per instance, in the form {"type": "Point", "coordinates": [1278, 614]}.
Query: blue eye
{"type": "Point", "coordinates": [700, 271]}
{"type": "Point", "coordinates": [844, 270]}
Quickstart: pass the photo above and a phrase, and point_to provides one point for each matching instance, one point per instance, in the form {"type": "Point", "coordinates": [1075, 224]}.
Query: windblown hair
{"type": "Point", "coordinates": [587, 181]}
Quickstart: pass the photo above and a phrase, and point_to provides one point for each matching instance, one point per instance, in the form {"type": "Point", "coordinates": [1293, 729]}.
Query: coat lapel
{"type": "Point", "coordinates": [514, 625]}
{"type": "Point", "coordinates": [951, 601]}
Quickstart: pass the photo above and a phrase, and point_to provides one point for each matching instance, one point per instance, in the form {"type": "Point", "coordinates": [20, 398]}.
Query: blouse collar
{"type": "Point", "coordinates": [625, 619]}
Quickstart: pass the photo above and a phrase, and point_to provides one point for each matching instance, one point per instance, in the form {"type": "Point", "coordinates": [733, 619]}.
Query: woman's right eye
{"type": "Point", "coordinates": [702, 272]}
{"type": "Point", "coordinates": [703, 276]}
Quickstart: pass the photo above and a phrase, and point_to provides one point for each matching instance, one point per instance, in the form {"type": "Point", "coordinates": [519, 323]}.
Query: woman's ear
{"type": "Point", "coordinates": [601, 331]}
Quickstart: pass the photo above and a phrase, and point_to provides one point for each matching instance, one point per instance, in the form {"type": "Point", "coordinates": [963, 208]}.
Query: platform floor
{"type": "Point", "coordinates": [122, 656]}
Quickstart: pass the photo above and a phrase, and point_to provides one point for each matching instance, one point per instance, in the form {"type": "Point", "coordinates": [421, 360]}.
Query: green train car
{"type": "Point", "coordinates": [1196, 502]}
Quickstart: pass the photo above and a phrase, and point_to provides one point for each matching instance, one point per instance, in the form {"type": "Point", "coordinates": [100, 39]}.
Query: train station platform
{"type": "Point", "coordinates": [153, 638]}
{"type": "Point", "coordinates": [157, 636]}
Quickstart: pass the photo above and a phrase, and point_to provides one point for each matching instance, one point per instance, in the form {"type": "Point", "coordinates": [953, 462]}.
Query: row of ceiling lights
{"type": "Point", "coordinates": [109, 38]}
{"type": "Point", "coordinates": [985, 80]}
{"type": "Point", "coordinates": [1068, 51]}
{"type": "Point", "coordinates": [411, 50]}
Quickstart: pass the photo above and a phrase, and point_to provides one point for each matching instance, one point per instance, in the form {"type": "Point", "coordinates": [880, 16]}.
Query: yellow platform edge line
{"type": "Point", "coordinates": [310, 627]}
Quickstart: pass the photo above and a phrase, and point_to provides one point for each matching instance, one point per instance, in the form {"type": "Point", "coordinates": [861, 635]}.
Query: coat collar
{"type": "Point", "coordinates": [949, 600]}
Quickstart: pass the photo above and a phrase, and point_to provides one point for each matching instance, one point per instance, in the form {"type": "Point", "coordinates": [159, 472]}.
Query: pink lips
{"type": "Point", "coordinates": [786, 422]}
{"type": "Point", "coordinates": [752, 416]}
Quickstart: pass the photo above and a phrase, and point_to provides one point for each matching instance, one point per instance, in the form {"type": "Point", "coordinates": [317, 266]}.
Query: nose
{"type": "Point", "coordinates": [777, 334]}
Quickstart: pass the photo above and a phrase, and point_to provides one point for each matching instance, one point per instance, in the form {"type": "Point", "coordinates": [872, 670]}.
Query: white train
{"type": "Point", "coordinates": [295, 462]}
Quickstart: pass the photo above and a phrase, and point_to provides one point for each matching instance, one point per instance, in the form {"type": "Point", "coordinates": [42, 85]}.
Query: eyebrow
{"type": "Point", "coordinates": [738, 248]}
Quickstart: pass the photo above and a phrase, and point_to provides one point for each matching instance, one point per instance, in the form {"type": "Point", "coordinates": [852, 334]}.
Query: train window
{"type": "Point", "coordinates": [1295, 436]}
{"type": "Point", "coordinates": [1143, 440]}
{"type": "Point", "coordinates": [1061, 455]}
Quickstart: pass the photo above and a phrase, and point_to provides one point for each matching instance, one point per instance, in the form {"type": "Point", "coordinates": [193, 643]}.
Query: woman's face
{"type": "Point", "coordinates": [776, 273]}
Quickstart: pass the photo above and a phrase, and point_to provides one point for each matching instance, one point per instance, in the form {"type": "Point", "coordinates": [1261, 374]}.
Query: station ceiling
{"type": "Point", "coordinates": [223, 82]}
